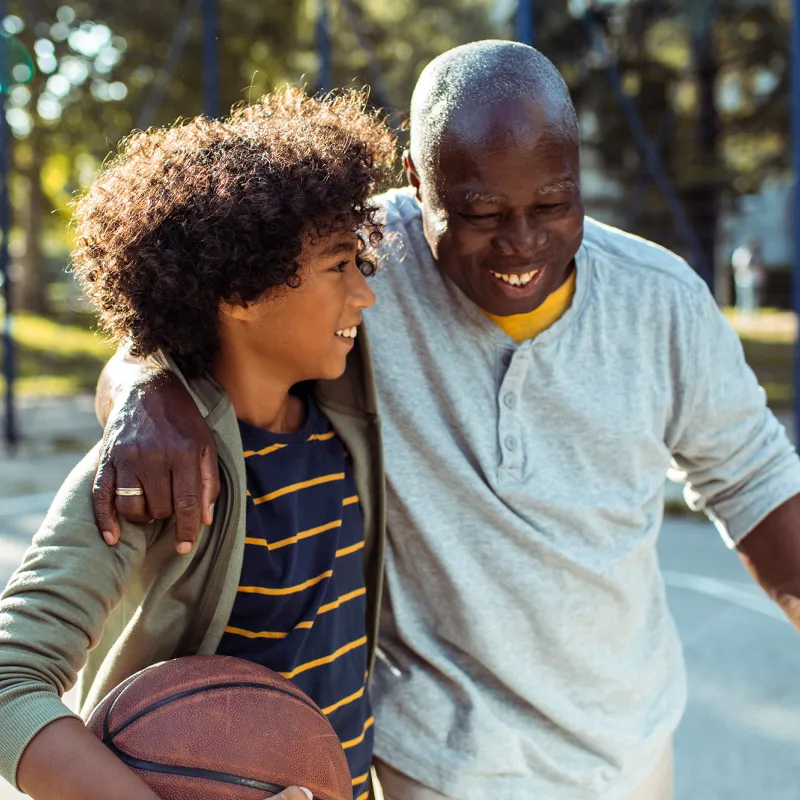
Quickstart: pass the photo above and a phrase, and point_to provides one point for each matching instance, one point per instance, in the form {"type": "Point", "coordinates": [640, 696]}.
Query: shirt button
{"type": "Point", "coordinates": [511, 443]}
{"type": "Point", "coordinates": [510, 400]}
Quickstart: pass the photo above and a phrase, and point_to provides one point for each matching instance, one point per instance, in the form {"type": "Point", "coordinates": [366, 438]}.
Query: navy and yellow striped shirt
{"type": "Point", "coordinates": [301, 605]}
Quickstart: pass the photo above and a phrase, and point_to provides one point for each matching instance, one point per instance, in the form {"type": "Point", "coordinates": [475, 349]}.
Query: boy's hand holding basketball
{"type": "Point", "coordinates": [156, 441]}
{"type": "Point", "coordinates": [66, 761]}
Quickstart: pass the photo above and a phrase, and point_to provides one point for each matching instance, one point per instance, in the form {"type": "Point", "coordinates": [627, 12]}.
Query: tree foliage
{"type": "Point", "coordinates": [105, 67]}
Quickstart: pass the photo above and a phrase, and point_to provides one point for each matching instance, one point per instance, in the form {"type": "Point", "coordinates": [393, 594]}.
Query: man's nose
{"type": "Point", "coordinates": [521, 237]}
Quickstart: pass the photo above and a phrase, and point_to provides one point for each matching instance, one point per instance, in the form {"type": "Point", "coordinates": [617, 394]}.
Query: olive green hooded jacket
{"type": "Point", "coordinates": [76, 605]}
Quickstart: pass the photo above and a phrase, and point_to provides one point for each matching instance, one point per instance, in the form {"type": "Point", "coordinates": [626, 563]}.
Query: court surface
{"type": "Point", "coordinates": [740, 739]}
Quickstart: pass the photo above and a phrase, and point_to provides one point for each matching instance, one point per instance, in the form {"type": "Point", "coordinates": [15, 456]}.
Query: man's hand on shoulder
{"type": "Point", "coordinates": [157, 441]}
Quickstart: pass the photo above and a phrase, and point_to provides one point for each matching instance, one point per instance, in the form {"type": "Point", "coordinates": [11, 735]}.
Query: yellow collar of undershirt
{"type": "Point", "coordinates": [522, 327]}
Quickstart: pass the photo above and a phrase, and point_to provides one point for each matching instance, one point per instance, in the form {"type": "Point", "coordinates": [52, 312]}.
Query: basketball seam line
{"type": "Point", "coordinates": [109, 735]}
{"type": "Point", "coordinates": [194, 772]}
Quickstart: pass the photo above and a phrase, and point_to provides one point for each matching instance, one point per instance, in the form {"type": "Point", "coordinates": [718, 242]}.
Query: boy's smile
{"type": "Point", "coordinates": [348, 335]}
{"type": "Point", "coordinates": [304, 332]}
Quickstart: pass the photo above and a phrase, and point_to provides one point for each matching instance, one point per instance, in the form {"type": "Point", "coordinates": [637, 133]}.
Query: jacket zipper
{"type": "Point", "coordinates": [379, 556]}
{"type": "Point", "coordinates": [380, 654]}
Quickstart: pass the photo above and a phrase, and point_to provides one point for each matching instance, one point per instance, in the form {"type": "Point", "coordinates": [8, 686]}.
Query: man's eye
{"type": "Point", "coordinates": [480, 217]}
{"type": "Point", "coordinates": [549, 208]}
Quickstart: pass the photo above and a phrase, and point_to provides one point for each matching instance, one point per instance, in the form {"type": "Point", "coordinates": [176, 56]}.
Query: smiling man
{"type": "Point", "coordinates": [487, 150]}
{"type": "Point", "coordinates": [538, 374]}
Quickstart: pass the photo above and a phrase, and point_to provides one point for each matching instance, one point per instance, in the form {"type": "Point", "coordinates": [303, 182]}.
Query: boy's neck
{"type": "Point", "coordinates": [259, 396]}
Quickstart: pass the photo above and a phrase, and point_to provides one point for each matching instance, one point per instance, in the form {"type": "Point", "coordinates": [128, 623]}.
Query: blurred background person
{"type": "Point", "coordinates": [749, 274]}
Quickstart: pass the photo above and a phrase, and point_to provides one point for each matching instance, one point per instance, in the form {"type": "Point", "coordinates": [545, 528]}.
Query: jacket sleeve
{"type": "Point", "coordinates": [735, 456]}
{"type": "Point", "coordinates": [53, 610]}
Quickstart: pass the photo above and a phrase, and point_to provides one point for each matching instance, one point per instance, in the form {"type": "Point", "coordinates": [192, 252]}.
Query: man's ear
{"type": "Point", "coordinates": [411, 173]}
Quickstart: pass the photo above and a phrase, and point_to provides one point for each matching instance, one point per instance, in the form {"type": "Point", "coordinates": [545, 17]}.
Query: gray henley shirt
{"type": "Point", "coordinates": [529, 647]}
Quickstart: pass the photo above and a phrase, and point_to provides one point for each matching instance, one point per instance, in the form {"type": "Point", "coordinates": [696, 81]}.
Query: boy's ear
{"type": "Point", "coordinates": [234, 309]}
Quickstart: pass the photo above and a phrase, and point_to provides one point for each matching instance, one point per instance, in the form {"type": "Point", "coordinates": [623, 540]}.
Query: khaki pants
{"type": "Point", "coordinates": [396, 786]}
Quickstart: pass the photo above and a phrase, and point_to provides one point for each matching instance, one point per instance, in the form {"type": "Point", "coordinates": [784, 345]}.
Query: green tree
{"type": "Point", "coordinates": [70, 105]}
{"type": "Point", "coordinates": [713, 88]}
{"type": "Point", "coordinates": [709, 81]}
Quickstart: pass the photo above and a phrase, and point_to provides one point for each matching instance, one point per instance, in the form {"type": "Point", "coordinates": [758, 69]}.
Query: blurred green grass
{"type": "Point", "coordinates": [54, 358]}
{"type": "Point", "coordinates": [768, 340]}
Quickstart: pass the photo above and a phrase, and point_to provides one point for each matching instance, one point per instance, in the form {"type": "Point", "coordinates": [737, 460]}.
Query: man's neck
{"type": "Point", "coordinates": [260, 396]}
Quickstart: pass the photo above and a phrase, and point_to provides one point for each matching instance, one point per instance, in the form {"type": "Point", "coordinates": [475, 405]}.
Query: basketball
{"type": "Point", "coordinates": [220, 728]}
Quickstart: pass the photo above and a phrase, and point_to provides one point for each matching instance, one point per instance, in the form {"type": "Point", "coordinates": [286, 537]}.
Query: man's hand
{"type": "Point", "coordinates": [155, 439]}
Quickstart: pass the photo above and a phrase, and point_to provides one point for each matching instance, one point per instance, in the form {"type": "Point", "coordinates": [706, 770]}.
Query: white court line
{"type": "Point", "coordinates": [740, 594]}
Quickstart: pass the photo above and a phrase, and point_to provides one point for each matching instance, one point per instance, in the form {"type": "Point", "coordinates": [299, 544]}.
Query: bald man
{"type": "Point", "coordinates": [538, 373]}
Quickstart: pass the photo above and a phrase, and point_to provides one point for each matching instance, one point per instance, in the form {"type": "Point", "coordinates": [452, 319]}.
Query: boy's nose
{"type": "Point", "coordinates": [363, 296]}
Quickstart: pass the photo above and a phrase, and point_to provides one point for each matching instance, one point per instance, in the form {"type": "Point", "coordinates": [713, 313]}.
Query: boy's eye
{"type": "Point", "coordinates": [340, 267]}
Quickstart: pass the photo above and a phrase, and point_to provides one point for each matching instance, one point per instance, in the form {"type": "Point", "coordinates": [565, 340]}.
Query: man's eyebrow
{"type": "Point", "coordinates": [566, 185]}
{"type": "Point", "coordinates": [471, 196]}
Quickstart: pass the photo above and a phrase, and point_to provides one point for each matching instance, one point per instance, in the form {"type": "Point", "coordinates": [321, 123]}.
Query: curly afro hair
{"type": "Point", "coordinates": [208, 210]}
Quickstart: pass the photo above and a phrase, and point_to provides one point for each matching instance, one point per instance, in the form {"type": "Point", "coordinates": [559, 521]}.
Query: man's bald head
{"type": "Point", "coordinates": [459, 90]}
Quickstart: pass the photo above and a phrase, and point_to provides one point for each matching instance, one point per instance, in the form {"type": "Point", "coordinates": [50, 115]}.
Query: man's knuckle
{"type": "Point", "coordinates": [187, 503]}
{"type": "Point", "coordinates": [102, 486]}
{"type": "Point", "coordinates": [147, 451]}
{"type": "Point", "coordinates": [184, 446]}
{"type": "Point", "coordinates": [126, 462]}
{"type": "Point", "coordinates": [160, 505]}
{"type": "Point", "coordinates": [154, 466]}
{"type": "Point", "coordinates": [210, 447]}
{"type": "Point", "coordinates": [124, 447]}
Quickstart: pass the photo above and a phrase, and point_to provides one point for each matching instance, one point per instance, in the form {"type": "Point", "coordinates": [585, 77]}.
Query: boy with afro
{"type": "Point", "coordinates": [235, 251]}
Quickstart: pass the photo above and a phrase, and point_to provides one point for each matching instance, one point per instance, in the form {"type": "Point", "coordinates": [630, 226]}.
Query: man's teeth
{"type": "Point", "coordinates": [516, 280]}
{"type": "Point", "coordinates": [348, 333]}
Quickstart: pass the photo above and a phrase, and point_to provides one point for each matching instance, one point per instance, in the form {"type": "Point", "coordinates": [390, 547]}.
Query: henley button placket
{"type": "Point", "coordinates": [508, 421]}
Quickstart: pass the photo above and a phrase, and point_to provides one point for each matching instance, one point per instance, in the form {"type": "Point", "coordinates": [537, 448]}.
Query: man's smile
{"type": "Point", "coordinates": [517, 285]}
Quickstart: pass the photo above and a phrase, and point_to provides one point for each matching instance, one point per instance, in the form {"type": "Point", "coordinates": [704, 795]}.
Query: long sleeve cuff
{"type": "Point", "coordinates": [20, 720]}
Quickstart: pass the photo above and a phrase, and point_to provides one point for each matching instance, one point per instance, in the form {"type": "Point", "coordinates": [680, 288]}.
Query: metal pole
{"type": "Point", "coordinates": [795, 56]}
{"type": "Point", "coordinates": [210, 58]}
{"type": "Point", "coordinates": [524, 23]}
{"type": "Point", "coordinates": [9, 422]}
{"type": "Point", "coordinates": [324, 80]}
{"type": "Point", "coordinates": [151, 107]}
{"type": "Point", "coordinates": [648, 150]}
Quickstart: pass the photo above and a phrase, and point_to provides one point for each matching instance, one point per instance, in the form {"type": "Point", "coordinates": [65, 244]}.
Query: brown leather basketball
{"type": "Point", "coordinates": [220, 728]}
